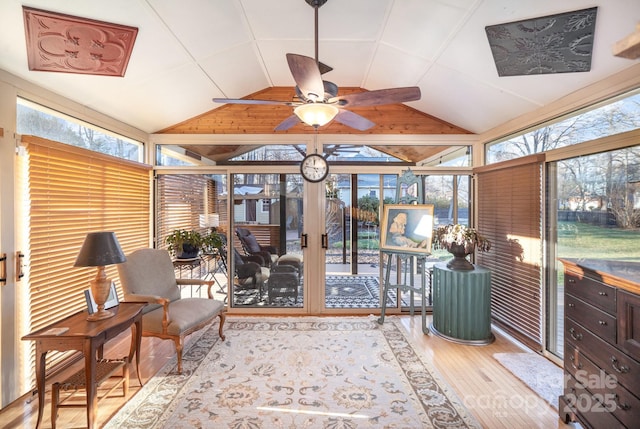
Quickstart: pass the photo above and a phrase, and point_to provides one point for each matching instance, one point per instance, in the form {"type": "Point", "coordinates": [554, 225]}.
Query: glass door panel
{"type": "Point", "coordinates": [352, 266]}
{"type": "Point", "coordinates": [266, 236]}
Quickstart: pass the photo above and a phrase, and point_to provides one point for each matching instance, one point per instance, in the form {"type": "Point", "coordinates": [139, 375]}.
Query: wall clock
{"type": "Point", "coordinates": [314, 168]}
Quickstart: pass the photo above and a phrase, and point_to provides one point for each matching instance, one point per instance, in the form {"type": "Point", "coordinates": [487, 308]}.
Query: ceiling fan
{"type": "Point", "coordinates": [317, 102]}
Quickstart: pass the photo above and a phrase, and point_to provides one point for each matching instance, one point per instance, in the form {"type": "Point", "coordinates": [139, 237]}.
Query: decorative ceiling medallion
{"type": "Point", "coordinates": [69, 44]}
{"type": "Point", "coordinates": [560, 43]}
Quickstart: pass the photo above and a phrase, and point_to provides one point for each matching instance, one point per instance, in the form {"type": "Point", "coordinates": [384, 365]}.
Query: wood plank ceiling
{"type": "Point", "coordinates": [262, 119]}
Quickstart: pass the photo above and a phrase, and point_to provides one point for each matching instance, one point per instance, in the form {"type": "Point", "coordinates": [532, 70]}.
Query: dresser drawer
{"type": "Point", "coordinates": [597, 321]}
{"type": "Point", "coordinates": [589, 411]}
{"type": "Point", "coordinates": [604, 355]}
{"type": "Point", "coordinates": [592, 291]}
{"type": "Point", "coordinates": [629, 323]}
{"type": "Point", "coordinates": [603, 387]}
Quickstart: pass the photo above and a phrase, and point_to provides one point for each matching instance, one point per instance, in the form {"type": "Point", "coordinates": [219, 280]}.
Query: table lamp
{"type": "Point", "coordinates": [98, 250]}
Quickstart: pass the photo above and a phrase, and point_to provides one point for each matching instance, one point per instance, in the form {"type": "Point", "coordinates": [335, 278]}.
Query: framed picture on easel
{"type": "Point", "coordinates": [407, 228]}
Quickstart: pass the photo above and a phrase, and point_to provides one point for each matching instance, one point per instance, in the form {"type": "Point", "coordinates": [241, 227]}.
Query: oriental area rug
{"type": "Point", "coordinates": [298, 372]}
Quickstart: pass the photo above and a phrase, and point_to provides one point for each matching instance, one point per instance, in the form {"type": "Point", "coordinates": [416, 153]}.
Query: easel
{"type": "Point", "coordinates": [407, 182]}
{"type": "Point", "coordinates": [405, 259]}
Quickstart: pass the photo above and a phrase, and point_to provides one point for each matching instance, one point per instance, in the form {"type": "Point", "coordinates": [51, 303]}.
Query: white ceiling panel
{"type": "Point", "coordinates": [237, 72]}
{"type": "Point", "coordinates": [391, 68]}
{"type": "Point", "coordinates": [422, 27]}
{"type": "Point", "coordinates": [226, 24]}
{"type": "Point", "coordinates": [446, 93]}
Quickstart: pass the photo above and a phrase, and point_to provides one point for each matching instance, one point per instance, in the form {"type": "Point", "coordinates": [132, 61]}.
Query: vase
{"type": "Point", "coordinates": [459, 261]}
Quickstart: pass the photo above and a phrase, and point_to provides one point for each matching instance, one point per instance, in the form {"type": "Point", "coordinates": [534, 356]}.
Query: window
{"type": "Point", "coordinates": [594, 203]}
{"type": "Point", "coordinates": [613, 117]}
{"type": "Point", "coordinates": [36, 120]}
{"type": "Point", "coordinates": [70, 191]}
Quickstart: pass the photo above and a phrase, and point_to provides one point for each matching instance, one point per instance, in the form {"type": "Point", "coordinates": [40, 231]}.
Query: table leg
{"type": "Point", "coordinates": [40, 375]}
{"type": "Point", "coordinates": [136, 343]}
{"type": "Point", "coordinates": [89, 352]}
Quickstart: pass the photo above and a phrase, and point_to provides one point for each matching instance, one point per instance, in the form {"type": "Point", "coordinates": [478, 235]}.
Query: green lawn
{"type": "Point", "coordinates": [579, 240]}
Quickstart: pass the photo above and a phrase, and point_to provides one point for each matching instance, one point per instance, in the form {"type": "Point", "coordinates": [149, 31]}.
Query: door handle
{"type": "Point", "coordinates": [3, 268]}
{"type": "Point", "coordinates": [19, 272]}
{"type": "Point", "coordinates": [303, 241]}
{"type": "Point", "coordinates": [324, 241]}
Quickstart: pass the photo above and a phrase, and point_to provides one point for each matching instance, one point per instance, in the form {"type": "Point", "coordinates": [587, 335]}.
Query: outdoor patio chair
{"type": "Point", "coordinates": [251, 246]}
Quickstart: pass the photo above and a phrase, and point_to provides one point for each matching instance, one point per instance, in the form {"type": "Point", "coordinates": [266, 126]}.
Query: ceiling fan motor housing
{"type": "Point", "coordinates": [316, 3]}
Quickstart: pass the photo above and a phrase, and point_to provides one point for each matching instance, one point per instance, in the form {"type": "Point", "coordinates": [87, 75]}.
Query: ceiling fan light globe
{"type": "Point", "coordinates": [316, 114]}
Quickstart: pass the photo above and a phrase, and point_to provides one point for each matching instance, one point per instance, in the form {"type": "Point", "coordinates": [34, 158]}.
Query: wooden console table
{"type": "Point", "coordinates": [77, 333]}
{"type": "Point", "coordinates": [462, 305]}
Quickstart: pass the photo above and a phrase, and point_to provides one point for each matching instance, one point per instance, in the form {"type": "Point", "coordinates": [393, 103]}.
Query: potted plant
{"type": "Point", "coordinates": [184, 244]}
{"type": "Point", "coordinates": [211, 243]}
{"type": "Point", "coordinates": [460, 241]}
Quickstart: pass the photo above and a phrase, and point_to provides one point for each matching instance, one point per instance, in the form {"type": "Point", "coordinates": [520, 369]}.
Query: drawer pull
{"type": "Point", "coordinates": [602, 293]}
{"type": "Point", "coordinates": [575, 336]}
{"type": "Point", "coordinates": [571, 304]}
{"type": "Point", "coordinates": [622, 369]}
{"type": "Point", "coordinates": [579, 366]}
{"type": "Point", "coordinates": [570, 280]}
{"type": "Point", "coordinates": [624, 407]}
{"type": "Point", "coordinates": [602, 323]}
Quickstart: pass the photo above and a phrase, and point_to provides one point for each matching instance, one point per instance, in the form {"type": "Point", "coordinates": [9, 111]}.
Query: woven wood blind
{"type": "Point", "coordinates": [73, 191]}
{"type": "Point", "coordinates": [509, 204]}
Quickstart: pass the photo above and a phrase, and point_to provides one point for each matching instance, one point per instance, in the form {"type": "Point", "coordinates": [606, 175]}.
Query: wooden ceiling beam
{"type": "Point", "coordinates": [629, 47]}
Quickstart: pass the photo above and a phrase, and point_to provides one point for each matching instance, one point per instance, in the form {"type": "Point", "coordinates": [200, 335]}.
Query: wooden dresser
{"type": "Point", "coordinates": [601, 343]}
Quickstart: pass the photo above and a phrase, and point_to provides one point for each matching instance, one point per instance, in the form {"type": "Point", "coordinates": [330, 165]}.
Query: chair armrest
{"type": "Point", "coordinates": [266, 257]}
{"type": "Point", "coordinates": [151, 299]}
{"type": "Point", "coordinates": [192, 282]}
{"type": "Point", "coordinates": [255, 258]}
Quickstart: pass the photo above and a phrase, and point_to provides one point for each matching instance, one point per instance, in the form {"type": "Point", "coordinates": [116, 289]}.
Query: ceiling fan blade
{"type": "Point", "coordinates": [287, 123]}
{"type": "Point", "coordinates": [377, 97]}
{"type": "Point", "coordinates": [324, 68]}
{"type": "Point", "coordinates": [307, 76]}
{"type": "Point", "coordinates": [245, 101]}
{"type": "Point", "coordinates": [354, 120]}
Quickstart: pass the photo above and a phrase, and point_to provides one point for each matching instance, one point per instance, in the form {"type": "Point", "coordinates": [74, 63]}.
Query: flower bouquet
{"type": "Point", "coordinates": [460, 240]}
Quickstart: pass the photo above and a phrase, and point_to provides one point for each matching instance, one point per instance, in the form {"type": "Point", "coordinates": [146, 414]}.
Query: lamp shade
{"type": "Point", "coordinates": [316, 114]}
{"type": "Point", "coordinates": [100, 249]}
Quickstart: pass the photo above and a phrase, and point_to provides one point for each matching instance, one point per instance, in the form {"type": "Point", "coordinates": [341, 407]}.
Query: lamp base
{"type": "Point", "coordinates": [100, 315]}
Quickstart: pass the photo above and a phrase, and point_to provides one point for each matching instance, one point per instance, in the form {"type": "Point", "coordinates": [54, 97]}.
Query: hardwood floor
{"type": "Point", "coordinates": [495, 397]}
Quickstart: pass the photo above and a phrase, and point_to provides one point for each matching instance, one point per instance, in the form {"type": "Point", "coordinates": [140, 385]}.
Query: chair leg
{"type": "Point", "coordinates": [222, 317]}
{"type": "Point", "coordinates": [178, 342]}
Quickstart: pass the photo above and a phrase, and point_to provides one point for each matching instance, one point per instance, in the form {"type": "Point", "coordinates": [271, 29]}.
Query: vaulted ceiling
{"type": "Point", "coordinates": [187, 52]}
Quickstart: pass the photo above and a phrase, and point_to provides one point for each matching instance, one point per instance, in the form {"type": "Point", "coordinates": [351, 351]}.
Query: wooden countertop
{"type": "Point", "coordinates": [625, 275]}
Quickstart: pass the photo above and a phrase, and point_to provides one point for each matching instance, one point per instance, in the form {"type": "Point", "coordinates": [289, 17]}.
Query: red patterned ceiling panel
{"type": "Point", "coordinates": [69, 44]}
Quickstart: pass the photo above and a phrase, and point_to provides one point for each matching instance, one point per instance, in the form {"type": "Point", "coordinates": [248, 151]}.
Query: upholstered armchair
{"type": "Point", "coordinates": [252, 247]}
{"type": "Point", "coordinates": [148, 275]}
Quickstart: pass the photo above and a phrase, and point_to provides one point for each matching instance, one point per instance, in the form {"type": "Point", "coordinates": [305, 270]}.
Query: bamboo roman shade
{"type": "Point", "coordinates": [509, 205]}
{"type": "Point", "coordinates": [72, 191]}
